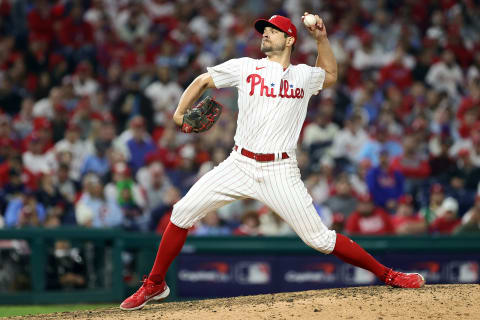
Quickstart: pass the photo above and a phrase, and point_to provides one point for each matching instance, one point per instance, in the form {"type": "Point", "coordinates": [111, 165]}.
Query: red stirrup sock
{"type": "Point", "coordinates": [350, 252]}
{"type": "Point", "coordinates": [172, 242]}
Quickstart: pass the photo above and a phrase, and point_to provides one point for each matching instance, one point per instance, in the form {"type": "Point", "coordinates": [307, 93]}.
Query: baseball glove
{"type": "Point", "coordinates": [203, 116]}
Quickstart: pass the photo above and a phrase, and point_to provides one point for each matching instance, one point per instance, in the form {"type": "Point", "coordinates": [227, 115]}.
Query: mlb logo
{"type": "Point", "coordinates": [273, 17]}
{"type": "Point", "coordinates": [463, 272]}
{"type": "Point", "coordinates": [253, 273]}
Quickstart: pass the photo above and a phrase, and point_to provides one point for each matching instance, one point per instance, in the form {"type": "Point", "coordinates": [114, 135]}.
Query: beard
{"type": "Point", "coordinates": [268, 46]}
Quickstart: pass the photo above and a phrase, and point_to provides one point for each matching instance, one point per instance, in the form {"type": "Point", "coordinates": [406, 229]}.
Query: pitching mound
{"type": "Point", "coordinates": [431, 302]}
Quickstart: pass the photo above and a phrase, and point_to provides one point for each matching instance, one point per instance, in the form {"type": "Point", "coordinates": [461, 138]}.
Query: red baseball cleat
{"type": "Point", "coordinates": [404, 280]}
{"type": "Point", "coordinates": [148, 291]}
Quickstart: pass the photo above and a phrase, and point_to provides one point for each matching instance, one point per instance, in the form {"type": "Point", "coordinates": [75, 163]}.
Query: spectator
{"type": "Point", "coordinates": [447, 219]}
{"type": "Point", "coordinates": [233, 212]}
{"type": "Point", "coordinates": [368, 219]}
{"type": "Point", "coordinates": [424, 61]}
{"type": "Point", "coordinates": [25, 211]}
{"type": "Point", "coordinates": [250, 225]}
{"type": "Point", "coordinates": [413, 164]}
{"type": "Point", "coordinates": [324, 213]}
{"type": "Point", "coordinates": [99, 162]}
{"type": "Point", "coordinates": [13, 188]}
{"type": "Point", "coordinates": [41, 19]}
{"type": "Point", "coordinates": [467, 171]}
{"type": "Point", "coordinates": [218, 155]}
{"type": "Point", "coordinates": [23, 121]}
{"type": "Point", "coordinates": [343, 200]}
{"type": "Point", "coordinates": [358, 179]}
{"type": "Point", "coordinates": [65, 185]}
{"type": "Point", "coordinates": [36, 159]}
{"type": "Point", "coordinates": [66, 268]}
{"type": "Point", "coordinates": [6, 135]}
{"type": "Point", "coordinates": [75, 34]}
{"type": "Point", "coordinates": [396, 72]}
{"type": "Point", "coordinates": [272, 225]}
{"type": "Point", "coordinates": [93, 210]}
{"type": "Point", "coordinates": [385, 31]}
{"type": "Point", "coordinates": [132, 23]}
{"type": "Point", "coordinates": [467, 112]}
{"type": "Point", "coordinates": [134, 218]}
{"type": "Point", "coordinates": [441, 163]}
{"type": "Point", "coordinates": [13, 161]}
{"type": "Point", "coordinates": [164, 93]}
{"type": "Point", "coordinates": [160, 215]}
{"type": "Point", "coordinates": [46, 107]}
{"type": "Point", "coordinates": [120, 174]}
{"type": "Point", "coordinates": [76, 146]}
{"type": "Point", "coordinates": [184, 175]}
{"type": "Point", "coordinates": [139, 145]}
{"type": "Point", "coordinates": [385, 184]}
{"type": "Point", "coordinates": [58, 209]}
{"type": "Point", "coordinates": [211, 225]}
{"type": "Point", "coordinates": [406, 221]}
{"type": "Point", "coordinates": [154, 184]}
{"type": "Point", "coordinates": [132, 102]}
{"type": "Point", "coordinates": [471, 219]}
{"type": "Point", "coordinates": [475, 152]}
{"type": "Point", "coordinates": [368, 57]}
{"type": "Point", "coordinates": [473, 72]}
{"type": "Point", "coordinates": [380, 140]}
{"type": "Point", "coordinates": [430, 211]}
{"type": "Point", "coordinates": [84, 85]}
{"type": "Point", "coordinates": [446, 75]}
{"type": "Point", "coordinates": [350, 140]}
{"type": "Point", "coordinates": [320, 183]}
{"type": "Point", "coordinates": [319, 135]}
{"type": "Point", "coordinates": [456, 189]}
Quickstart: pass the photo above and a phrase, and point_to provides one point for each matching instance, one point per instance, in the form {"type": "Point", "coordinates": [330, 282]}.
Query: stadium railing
{"type": "Point", "coordinates": [144, 246]}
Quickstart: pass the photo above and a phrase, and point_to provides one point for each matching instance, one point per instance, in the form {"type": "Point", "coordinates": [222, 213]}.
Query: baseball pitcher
{"type": "Point", "coordinates": [272, 98]}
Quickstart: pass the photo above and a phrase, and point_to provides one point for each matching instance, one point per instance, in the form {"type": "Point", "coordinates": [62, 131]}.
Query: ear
{"type": "Point", "coordinates": [290, 41]}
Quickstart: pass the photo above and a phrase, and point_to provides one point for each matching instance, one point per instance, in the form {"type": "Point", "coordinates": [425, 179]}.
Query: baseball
{"type": "Point", "coordinates": [309, 20]}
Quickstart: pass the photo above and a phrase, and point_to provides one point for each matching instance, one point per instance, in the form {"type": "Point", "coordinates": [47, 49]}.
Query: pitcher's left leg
{"type": "Point", "coordinates": [284, 192]}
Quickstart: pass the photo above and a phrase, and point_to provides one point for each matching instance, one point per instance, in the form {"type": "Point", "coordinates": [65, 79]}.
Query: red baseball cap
{"type": "Point", "coordinates": [405, 199]}
{"type": "Point", "coordinates": [121, 167]}
{"type": "Point", "coordinates": [436, 187]}
{"type": "Point", "coordinates": [364, 197]}
{"type": "Point", "coordinates": [278, 22]}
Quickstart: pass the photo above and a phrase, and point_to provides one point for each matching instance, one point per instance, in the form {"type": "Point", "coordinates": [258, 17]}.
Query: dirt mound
{"type": "Point", "coordinates": [431, 302]}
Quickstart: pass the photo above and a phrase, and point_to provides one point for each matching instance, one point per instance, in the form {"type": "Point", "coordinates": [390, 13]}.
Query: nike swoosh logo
{"type": "Point", "coordinates": [154, 294]}
{"type": "Point", "coordinates": [258, 68]}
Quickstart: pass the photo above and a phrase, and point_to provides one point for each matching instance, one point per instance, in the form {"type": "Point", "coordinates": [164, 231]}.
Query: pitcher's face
{"type": "Point", "coordinates": [273, 40]}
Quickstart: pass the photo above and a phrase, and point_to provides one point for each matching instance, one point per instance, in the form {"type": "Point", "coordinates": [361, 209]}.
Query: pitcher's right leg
{"type": "Point", "coordinates": [222, 185]}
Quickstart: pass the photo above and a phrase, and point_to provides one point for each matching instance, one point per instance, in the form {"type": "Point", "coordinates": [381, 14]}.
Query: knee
{"type": "Point", "coordinates": [323, 243]}
{"type": "Point", "coordinates": [182, 214]}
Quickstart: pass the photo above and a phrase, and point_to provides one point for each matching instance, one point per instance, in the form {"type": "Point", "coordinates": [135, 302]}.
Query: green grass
{"type": "Point", "coordinates": [9, 311]}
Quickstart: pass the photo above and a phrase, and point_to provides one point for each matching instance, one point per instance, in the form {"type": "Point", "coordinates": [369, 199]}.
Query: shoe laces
{"type": "Point", "coordinates": [144, 283]}
{"type": "Point", "coordinates": [390, 276]}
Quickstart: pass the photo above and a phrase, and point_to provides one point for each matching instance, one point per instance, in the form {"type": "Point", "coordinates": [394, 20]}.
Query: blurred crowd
{"type": "Point", "coordinates": [88, 89]}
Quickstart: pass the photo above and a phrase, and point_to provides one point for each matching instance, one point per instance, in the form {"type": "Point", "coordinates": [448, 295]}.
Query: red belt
{"type": "Point", "coordinates": [261, 157]}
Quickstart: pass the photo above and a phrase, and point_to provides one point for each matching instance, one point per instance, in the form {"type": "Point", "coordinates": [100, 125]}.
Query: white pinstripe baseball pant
{"type": "Point", "coordinates": [276, 183]}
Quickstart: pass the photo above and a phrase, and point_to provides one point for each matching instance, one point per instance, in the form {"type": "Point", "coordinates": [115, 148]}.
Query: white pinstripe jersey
{"type": "Point", "coordinates": [272, 102]}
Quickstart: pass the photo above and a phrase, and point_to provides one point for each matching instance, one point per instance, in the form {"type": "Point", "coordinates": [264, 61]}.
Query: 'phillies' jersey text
{"type": "Point", "coordinates": [256, 80]}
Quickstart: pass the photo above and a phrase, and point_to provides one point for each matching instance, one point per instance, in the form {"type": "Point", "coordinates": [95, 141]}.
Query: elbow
{"type": "Point", "coordinates": [204, 81]}
{"type": "Point", "coordinates": [334, 77]}
{"type": "Point", "coordinates": [330, 79]}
